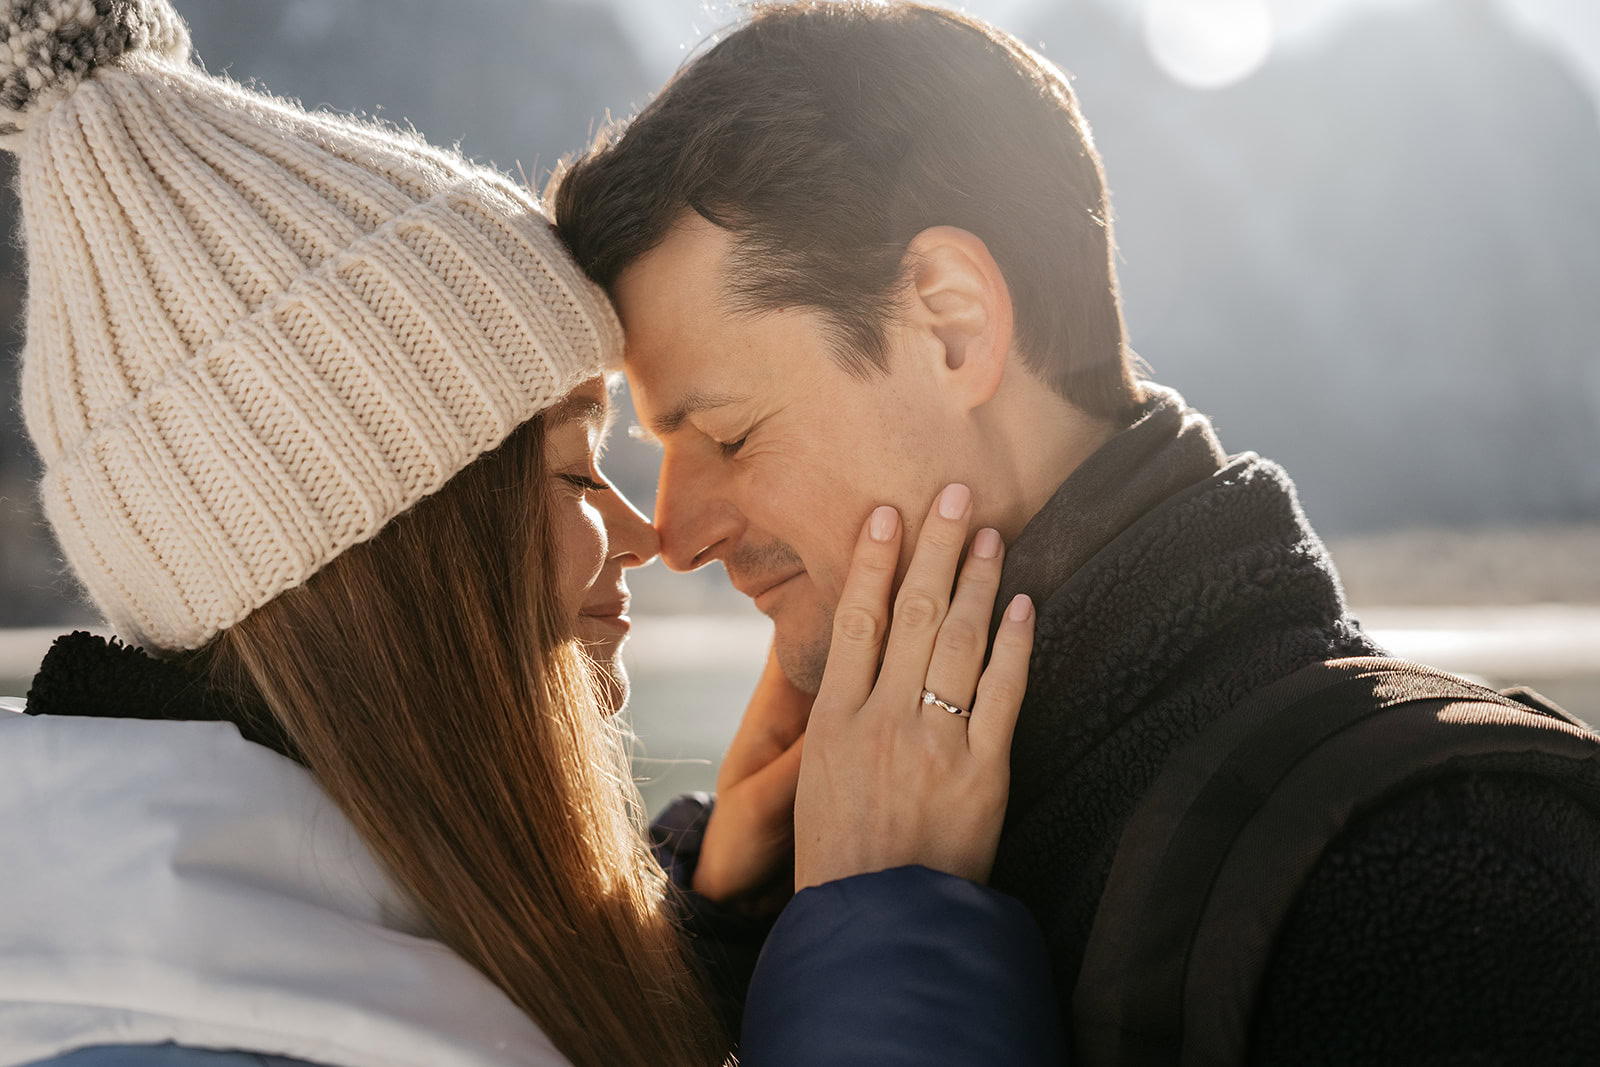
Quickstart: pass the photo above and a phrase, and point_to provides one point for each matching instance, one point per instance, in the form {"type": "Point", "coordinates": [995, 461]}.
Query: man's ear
{"type": "Point", "coordinates": [960, 300]}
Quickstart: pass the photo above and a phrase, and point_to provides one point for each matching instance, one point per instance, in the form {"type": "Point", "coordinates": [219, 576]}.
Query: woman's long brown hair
{"type": "Point", "coordinates": [432, 688]}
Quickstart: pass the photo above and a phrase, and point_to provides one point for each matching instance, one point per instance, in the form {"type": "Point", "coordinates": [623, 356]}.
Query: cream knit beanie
{"type": "Point", "coordinates": [255, 335]}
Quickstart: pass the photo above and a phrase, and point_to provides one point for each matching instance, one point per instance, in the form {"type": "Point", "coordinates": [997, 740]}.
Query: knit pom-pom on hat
{"type": "Point", "coordinates": [50, 46]}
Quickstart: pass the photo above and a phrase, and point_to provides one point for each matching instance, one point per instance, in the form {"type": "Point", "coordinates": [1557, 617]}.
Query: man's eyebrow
{"type": "Point", "coordinates": [695, 400]}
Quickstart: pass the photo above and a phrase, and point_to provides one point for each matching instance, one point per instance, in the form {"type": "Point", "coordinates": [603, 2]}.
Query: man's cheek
{"type": "Point", "coordinates": [830, 586]}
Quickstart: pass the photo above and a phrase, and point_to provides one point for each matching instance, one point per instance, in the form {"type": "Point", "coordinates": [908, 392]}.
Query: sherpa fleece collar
{"type": "Point", "coordinates": [1168, 447]}
{"type": "Point", "coordinates": [85, 674]}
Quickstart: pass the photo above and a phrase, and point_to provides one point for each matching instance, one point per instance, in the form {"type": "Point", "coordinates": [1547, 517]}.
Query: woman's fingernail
{"type": "Point", "coordinates": [1021, 607]}
{"type": "Point", "coordinates": [954, 500]}
{"type": "Point", "coordinates": [987, 544]}
{"type": "Point", "coordinates": [884, 521]}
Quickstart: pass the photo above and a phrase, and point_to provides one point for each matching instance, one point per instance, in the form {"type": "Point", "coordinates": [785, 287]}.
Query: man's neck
{"type": "Point", "coordinates": [1034, 441]}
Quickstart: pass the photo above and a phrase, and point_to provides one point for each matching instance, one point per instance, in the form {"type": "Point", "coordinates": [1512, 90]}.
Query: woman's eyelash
{"type": "Point", "coordinates": [586, 483]}
{"type": "Point", "coordinates": [731, 448]}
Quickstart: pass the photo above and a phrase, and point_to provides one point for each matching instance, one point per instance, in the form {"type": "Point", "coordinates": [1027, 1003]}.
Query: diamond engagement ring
{"type": "Point", "coordinates": [929, 698]}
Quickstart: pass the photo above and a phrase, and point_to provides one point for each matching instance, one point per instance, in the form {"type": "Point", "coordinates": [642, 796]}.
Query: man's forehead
{"type": "Point", "coordinates": [690, 346]}
{"type": "Point", "coordinates": [684, 354]}
{"type": "Point", "coordinates": [677, 288]}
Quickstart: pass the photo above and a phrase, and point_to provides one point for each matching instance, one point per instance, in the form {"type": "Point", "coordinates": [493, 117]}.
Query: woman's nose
{"type": "Point", "coordinates": [631, 535]}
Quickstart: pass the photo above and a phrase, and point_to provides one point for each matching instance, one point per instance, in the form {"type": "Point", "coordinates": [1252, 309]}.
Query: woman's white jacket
{"type": "Point", "coordinates": [172, 882]}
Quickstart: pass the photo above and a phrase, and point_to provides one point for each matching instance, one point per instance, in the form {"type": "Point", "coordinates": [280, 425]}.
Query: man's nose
{"type": "Point", "coordinates": [695, 521]}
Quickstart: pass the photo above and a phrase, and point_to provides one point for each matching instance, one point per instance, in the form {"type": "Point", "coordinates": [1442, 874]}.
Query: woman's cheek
{"type": "Point", "coordinates": [594, 534]}
{"type": "Point", "coordinates": [580, 545]}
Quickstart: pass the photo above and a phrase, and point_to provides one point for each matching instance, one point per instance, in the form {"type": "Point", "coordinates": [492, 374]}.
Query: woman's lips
{"type": "Point", "coordinates": [613, 615]}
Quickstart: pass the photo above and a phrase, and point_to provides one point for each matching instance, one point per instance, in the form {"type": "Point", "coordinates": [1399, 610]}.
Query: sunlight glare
{"type": "Point", "coordinates": [1208, 44]}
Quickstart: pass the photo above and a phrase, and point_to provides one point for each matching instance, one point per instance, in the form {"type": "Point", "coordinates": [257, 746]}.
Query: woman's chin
{"type": "Point", "coordinates": [613, 677]}
{"type": "Point", "coordinates": [603, 646]}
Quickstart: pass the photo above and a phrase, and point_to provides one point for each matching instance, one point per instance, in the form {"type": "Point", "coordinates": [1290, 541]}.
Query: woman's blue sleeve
{"type": "Point", "coordinates": [724, 941]}
{"type": "Point", "coordinates": [905, 966]}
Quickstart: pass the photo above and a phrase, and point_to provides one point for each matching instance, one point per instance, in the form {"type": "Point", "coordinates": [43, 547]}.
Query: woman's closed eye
{"type": "Point", "coordinates": [586, 483]}
{"type": "Point", "coordinates": [729, 449]}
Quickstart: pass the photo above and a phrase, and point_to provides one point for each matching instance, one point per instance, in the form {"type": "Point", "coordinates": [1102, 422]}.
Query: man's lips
{"type": "Point", "coordinates": [756, 591]}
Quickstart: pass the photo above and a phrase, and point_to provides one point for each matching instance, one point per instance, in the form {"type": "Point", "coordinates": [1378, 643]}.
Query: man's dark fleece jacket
{"type": "Point", "coordinates": [1458, 923]}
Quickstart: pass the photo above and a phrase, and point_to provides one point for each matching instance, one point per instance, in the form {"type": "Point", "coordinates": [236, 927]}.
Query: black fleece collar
{"type": "Point", "coordinates": [1170, 585]}
{"type": "Point", "coordinates": [86, 674]}
{"type": "Point", "coordinates": [1168, 447]}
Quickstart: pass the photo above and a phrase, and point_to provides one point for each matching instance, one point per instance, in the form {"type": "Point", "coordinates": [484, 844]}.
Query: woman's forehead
{"type": "Point", "coordinates": [588, 403]}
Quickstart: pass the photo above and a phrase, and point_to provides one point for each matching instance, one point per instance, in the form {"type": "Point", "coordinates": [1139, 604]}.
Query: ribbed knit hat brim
{"type": "Point", "coordinates": [255, 336]}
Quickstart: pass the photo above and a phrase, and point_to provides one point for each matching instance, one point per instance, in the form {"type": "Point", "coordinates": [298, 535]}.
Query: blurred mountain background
{"type": "Point", "coordinates": [1365, 239]}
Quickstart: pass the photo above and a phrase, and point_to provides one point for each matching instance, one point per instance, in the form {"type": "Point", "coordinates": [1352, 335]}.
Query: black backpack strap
{"type": "Point", "coordinates": [1214, 856]}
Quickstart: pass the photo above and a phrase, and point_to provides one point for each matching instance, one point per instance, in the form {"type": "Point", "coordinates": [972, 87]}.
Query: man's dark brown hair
{"type": "Point", "coordinates": [825, 136]}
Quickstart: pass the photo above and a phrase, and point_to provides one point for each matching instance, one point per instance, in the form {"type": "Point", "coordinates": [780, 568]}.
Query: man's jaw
{"type": "Point", "coordinates": [803, 655]}
{"type": "Point", "coordinates": [776, 581]}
